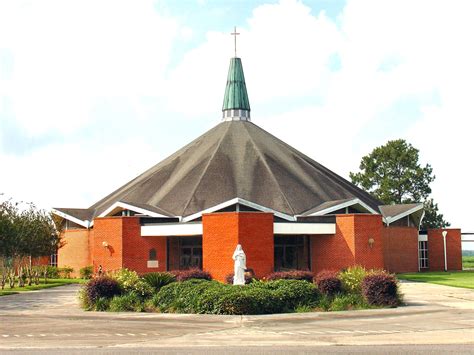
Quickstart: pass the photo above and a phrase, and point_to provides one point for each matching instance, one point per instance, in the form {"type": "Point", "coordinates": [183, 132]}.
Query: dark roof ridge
{"type": "Point", "coordinates": [264, 161]}
{"type": "Point", "coordinates": [204, 171]}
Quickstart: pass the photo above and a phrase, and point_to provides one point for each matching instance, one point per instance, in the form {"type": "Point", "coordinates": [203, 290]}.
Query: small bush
{"type": "Point", "coordinates": [352, 279]}
{"type": "Point", "coordinates": [130, 302]}
{"type": "Point", "coordinates": [86, 272]}
{"type": "Point", "coordinates": [229, 279]}
{"type": "Point", "coordinates": [328, 283]}
{"type": "Point", "coordinates": [65, 272]}
{"type": "Point", "coordinates": [348, 302]}
{"type": "Point", "coordinates": [291, 275]}
{"type": "Point", "coordinates": [102, 304]}
{"type": "Point", "coordinates": [52, 272]}
{"type": "Point", "coordinates": [159, 279]}
{"type": "Point", "coordinates": [130, 281]}
{"type": "Point", "coordinates": [183, 275]}
{"type": "Point", "coordinates": [380, 289]}
{"type": "Point", "coordinates": [100, 287]}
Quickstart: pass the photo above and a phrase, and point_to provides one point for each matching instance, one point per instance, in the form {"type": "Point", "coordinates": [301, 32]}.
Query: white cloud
{"type": "Point", "coordinates": [66, 54]}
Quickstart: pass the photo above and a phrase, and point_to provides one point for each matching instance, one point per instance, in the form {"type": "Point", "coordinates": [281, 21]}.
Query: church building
{"type": "Point", "coordinates": [238, 184]}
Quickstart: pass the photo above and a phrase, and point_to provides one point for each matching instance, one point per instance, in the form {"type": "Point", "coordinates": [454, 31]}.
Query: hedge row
{"type": "Point", "coordinates": [212, 297]}
{"type": "Point", "coordinates": [193, 291]}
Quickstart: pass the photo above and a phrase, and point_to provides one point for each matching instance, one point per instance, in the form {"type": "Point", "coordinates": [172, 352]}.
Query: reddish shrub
{"type": "Point", "coordinates": [291, 275]}
{"type": "Point", "coordinates": [103, 286]}
{"type": "Point", "coordinates": [380, 289]}
{"type": "Point", "coordinates": [183, 275]}
{"type": "Point", "coordinates": [328, 282]}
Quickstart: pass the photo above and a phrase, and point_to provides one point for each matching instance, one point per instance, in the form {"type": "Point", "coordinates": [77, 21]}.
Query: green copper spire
{"type": "Point", "coordinates": [236, 101]}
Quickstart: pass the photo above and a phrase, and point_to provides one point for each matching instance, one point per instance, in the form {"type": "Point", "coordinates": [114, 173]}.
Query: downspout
{"type": "Point", "coordinates": [445, 233]}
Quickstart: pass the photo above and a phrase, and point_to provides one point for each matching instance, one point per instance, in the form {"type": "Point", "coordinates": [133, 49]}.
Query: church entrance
{"type": "Point", "coordinates": [184, 253]}
{"type": "Point", "coordinates": [291, 253]}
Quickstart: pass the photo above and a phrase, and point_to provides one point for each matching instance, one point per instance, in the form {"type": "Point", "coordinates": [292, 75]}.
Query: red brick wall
{"type": "Point", "coordinates": [136, 248]}
{"type": "Point", "coordinates": [334, 252]}
{"type": "Point", "coordinates": [108, 229]}
{"type": "Point", "coordinates": [76, 250]}
{"type": "Point", "coordinates": [223, 231]}
{"type": "Point", "coordinates": [256, 238]}
{"type": "Point", "coordinates": [400, 249]}
{"type": "Point", "coordinates": [436, 249]}
{"type": "Point", "coordinates": [349, 246]}
{"type": "Point", "coordinates": [219, 237]}
{"type": "Point", "coordinates": [368, 226]}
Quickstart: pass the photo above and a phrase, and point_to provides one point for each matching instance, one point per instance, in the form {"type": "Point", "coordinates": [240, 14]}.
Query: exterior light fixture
{"type": "Point", "coordinates": [105, 244]}
{"type": "Point", "coordinates": [445, 233]}
{"type": "Point", "coordinates": [371, 242]}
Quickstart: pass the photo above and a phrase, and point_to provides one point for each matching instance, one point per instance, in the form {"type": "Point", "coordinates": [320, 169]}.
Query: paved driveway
{"type": "Point", "coordinates": [52, 319]}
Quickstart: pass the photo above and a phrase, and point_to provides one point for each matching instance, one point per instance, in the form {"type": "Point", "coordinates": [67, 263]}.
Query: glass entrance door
{"type": "Point", "coordinates": [190, 253]}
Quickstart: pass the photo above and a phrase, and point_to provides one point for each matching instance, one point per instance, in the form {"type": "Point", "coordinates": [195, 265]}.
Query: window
{"type": "Point", "coordinates": [423, 254]}
{"type": "Point", "coordinates": [190, 253]}
{"type": "Point", "coordinates": [152, 254]}
{"type": "Point", "coordinates": [53, 260]}
{"type": "Point", "coordinates": [291, 253]}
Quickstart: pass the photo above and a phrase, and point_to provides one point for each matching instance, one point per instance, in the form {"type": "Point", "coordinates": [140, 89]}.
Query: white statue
{"type": "Point", "coordinates": [239, 265]}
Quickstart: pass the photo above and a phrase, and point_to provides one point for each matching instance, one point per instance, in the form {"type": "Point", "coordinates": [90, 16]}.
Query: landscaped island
{"type": "Point", "coordinates": [194, 291]}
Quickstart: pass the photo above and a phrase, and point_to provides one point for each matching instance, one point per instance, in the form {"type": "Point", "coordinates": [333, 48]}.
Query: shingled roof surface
{"type": "Point", "coordinates": [236, 159]}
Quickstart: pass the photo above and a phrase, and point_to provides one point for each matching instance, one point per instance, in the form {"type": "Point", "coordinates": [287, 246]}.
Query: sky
{"type": "Point", "coordinates": [92, 93]}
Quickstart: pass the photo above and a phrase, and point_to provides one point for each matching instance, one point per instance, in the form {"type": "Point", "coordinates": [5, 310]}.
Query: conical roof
{"type": "Point", "coordinates": [236, 159]}
{"type": "Point", "coordinates": [236, 96]}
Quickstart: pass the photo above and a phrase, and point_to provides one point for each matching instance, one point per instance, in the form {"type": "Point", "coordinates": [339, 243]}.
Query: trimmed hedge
{"type": "Point", "coordinates": [201, 296]}
{"type": "Point", "coordinates": [328, 282]}
{"type": "Point", "coordinates": [380, 289]}
{"type": "Point", "coordinates": [183, 275]}
{"type": "Point", "coordinates": [291, 275]}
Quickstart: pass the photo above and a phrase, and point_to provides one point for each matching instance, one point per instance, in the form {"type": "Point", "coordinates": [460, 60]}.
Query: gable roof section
{"type": "Point", "coordinates": [392, 213]}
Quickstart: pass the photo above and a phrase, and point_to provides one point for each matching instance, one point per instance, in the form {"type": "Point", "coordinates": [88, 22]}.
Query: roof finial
{"type": "Point", "coordinates": [235, 40]}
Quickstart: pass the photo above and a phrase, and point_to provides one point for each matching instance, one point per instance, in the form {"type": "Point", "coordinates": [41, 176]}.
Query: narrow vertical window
{"type": "Point", "coordinates": [152, 254]}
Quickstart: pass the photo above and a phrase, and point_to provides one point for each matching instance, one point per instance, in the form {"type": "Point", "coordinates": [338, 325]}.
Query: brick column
{"type": "Point", "coordinates": [223, 231]}
{"type": "Point", "coordinates": [436, 249]}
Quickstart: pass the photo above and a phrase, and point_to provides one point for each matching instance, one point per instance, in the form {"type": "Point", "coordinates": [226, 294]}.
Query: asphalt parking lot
{"type": "Point", "coordinates": [436, 317]}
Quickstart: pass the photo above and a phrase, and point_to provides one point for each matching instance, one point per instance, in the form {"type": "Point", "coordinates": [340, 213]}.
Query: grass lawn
{"type": "Point", "coordinates": [50, 283]}
{"type": "Point", "coordinates": [457, 279]}
{"type": "Point", "coordinates": [468, 262]}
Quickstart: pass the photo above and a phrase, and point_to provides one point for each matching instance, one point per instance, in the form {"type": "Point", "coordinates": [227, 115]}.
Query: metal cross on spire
{"type": "Point", "coordinates": [235, 40]}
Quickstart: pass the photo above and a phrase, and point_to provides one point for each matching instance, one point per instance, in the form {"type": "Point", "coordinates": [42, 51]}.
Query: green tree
{"type": "Point", "coordinates": [26, 232]}
{"type": "Point", "coordinates": [433, 219]}
{"type": "Point", "coordinates": [393, 174]}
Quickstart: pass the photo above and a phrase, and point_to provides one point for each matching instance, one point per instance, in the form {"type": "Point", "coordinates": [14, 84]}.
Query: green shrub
{"type": "Point", "coordinates": [202, 296]}
{"type": "Point", "coordinates": [381, 289]}
{"type": "Point", "coordinates": [101, 304]}
{"type": "Point", "coordinates": [86, 272]}
{"type": "Point", "coordinates": [346, 302]}
{"type": "Point", "coordinates": [130, 302]}
{"type": "Point", "coordinates": [65, 272]}
{"type": "Point", "coordinates": [52, 272]}
{"type": "Point", "coordinates": [159, 279]}
{"type": "Point", "coordinates": [130, 281]}
{"type": "Point", "coordinates": [182, 297]}
{"type": "Point", "coordinates": [352, 279]}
